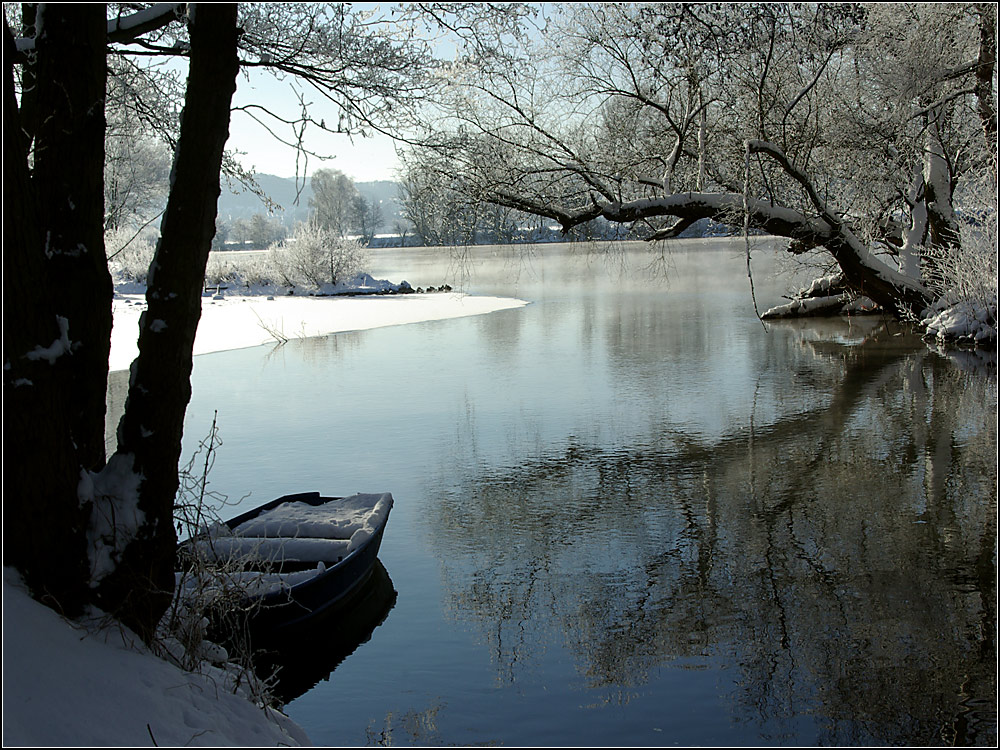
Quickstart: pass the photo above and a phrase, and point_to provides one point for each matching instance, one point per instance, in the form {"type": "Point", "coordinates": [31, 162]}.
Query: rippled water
{"type": "Point", "coordinates": [627, 514]}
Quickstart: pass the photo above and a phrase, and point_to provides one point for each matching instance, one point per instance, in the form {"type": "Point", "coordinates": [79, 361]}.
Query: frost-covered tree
{"type": "Point", "coordinates": [435, 202]}
{"type": "Point", "coordinates": [367, 217]}
{"type": "Point", "coordinates": [333, 201]}
{"type": "Point", "coordinates": [259, 230]}
{"type": "Point", "coordinates": [142, 104]}
{"type": "Point", "coordinates": [421, 199]}
{"type": "Point", "coordinates": [851, 130]}
{"type": "Point", "coordinates": [315, 256]}
{"type": "Point", "coordinates": [136, 175]}
{"type": "Point", "coordinates": [82, 527]}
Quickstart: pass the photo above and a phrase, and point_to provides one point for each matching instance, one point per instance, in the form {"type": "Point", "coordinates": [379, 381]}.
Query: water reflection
{"type": "Point", "coordinates": [838, 556]}
{"type": "Point", "coordinates": [413, 728]}
{"type": "Point", "coordinates": [298, 664]}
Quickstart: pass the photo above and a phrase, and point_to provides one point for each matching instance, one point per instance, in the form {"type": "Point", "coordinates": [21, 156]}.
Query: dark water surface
{"type": "Point", "coordinates": [627, 514]}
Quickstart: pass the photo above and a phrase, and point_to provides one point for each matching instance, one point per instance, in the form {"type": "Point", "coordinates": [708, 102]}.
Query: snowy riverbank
{"type": "Point", "coordinates": [239, 321]}
{"type": "Point", "coordinates": [79, 684]}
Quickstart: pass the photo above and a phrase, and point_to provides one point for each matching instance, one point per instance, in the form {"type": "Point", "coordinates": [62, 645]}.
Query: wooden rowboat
{"type": "Point", "coordinates": [295, 559]}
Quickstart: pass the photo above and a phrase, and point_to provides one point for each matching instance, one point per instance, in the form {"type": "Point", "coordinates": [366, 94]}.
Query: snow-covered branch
{"type": "Point", "coordinates": [124, 29]}
{"type": "Point", "coordinates": [853, 255]}
{"type": "Point", "coordinates": [128, 28]}
{"type": "Point", "coordinates": [763, 147]}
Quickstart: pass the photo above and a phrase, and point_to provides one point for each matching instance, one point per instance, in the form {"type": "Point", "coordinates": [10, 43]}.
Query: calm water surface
{"type": "Point", "coordinates": [627, 514]}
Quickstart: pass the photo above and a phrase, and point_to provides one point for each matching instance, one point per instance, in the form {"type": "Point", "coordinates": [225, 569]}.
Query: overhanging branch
{"type": "Point", "coordinates": [123, 29]}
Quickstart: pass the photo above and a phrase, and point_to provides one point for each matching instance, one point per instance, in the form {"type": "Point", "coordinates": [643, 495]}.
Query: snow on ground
{"type": "Point", "coordinates": [66, 685]}
{"type": "Point", "coordinates": [964, 322]}
{"type": "Point", "coordinates": [237, 321]}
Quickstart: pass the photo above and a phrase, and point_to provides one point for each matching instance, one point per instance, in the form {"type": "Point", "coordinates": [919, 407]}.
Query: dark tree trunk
{"type": "Point", "coordinates": [139, 589]}
{"type": "Point", "coordinates": [898, 300]}
{"type": "Point", "coordinates": [29, 12]}
{"type": "Point", "coordinates": [69, 181]}
{"type": "Point", "coordinates": [44, 526]}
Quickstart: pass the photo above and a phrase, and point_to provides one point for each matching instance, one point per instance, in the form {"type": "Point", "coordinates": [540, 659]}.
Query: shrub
{"type": "Point", "coordinates": [211, 591]}
{"type": "Point", "coordinates": [968, 272]}
{"type": "Point", "coordinates": [129, 254]}
{"type": "Point", "coordinates": [244, 270]}
{"type": "Point", "coordinates": [314, 256]}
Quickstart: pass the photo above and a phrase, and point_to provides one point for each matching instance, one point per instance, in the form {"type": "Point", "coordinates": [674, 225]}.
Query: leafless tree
{"type": "Point", "coordinates": [440, 208]}
{"type": "Point", "coordinates": [332, 201]}
{"type": "Point", "coordinates": [368, 217]}
{"type": "Point", "coordinates": [317, 256]}
{"type": "Point", "coordinates": [848, 129]}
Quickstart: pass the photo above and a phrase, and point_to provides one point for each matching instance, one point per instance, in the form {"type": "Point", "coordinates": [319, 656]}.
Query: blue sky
{"type": "Point", "coordinates": [362, 159]}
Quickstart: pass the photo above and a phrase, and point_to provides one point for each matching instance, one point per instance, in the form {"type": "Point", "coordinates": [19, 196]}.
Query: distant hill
{"type": "Point", "coordinates": [282, 190]}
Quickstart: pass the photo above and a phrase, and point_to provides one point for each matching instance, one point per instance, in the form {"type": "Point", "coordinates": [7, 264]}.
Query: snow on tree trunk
{"type": "Point", "coordinates": [913, 235]}
{"type": "Point", "coordinates": [941, 224]}
{"type": "Point", "coordinates": [137, 585]}
{"type": "Point", "coordinates": [69, 177]}
{"type": "Point", "coordinates": [43, 523]}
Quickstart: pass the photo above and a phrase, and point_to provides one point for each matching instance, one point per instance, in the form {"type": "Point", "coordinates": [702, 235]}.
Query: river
{"type": "Point", "coordinates": [631, 514]}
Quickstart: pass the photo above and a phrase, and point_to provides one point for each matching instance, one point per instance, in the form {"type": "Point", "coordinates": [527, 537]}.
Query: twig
{"type": "Point", "coordinates": [135, 235]}
{"type": "Point", "coordinates": [746, 233]}
{"type": "Point", "coordinates": [278, 335]}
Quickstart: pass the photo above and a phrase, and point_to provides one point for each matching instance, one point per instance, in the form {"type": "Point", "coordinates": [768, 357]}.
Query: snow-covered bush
{"type": "Point", "coordinates": [314, 256]}
{"type": "Point", "coordinates": [129, 254]}
{"type": "Point", "coordinates": [244, 270]}
{"type": "Point", "coordinates": [965, 277]}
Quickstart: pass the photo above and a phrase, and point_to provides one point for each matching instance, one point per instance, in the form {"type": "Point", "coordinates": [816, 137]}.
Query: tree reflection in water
{"type": "Point", "coordinates": [840, 557]}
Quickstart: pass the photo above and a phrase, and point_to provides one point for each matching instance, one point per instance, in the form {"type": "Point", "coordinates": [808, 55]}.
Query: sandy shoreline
{"type": "Point", "coordinates": [237, 322]}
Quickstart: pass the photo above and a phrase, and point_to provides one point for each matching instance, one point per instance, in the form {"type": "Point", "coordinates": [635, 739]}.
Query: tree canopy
{"type": "Point", "coordinates": [851, 130]}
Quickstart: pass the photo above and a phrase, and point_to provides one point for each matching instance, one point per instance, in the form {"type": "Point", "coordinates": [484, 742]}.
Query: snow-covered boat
{"type": "Point", "coordinates": [297, 558]}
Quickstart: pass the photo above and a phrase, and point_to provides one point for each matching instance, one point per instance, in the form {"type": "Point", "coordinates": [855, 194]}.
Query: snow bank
{"type": "Point", "coordinates": [237, 321]}
{"type": "Point", "coordinates": [66, 685]}
{"type": "Point", "coordinates": [964, 323]}
{"type": "Point", "coordinates": [363, 283]}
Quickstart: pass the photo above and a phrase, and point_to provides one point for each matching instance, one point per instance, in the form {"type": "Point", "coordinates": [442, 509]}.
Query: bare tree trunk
{"type": "Point", "coordinates": [69, 178]}
{"type": "Point", "coordinates": [942, 228]}
{"type": "Point", "coordinates": [43, 524]}
{"type": "Point", "coordinates": [29, 92]}
{"type": "Point", "coordinates": [985, 69]}
{"type": "Point", "coordinates": [864, 280]}
{"type": "Point", "coordinates": [149, 435]}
